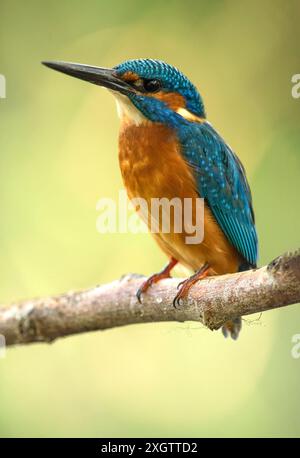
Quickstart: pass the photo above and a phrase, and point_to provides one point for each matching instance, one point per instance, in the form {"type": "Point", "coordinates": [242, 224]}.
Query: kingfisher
{"type": "Point", "coordinates": [168, 148]}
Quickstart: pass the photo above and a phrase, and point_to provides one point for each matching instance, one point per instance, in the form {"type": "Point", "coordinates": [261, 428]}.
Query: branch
{"type": "Point", "coordinates": [212, 301]}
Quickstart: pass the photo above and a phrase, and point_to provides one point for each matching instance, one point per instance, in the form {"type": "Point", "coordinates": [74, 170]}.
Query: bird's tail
{"type": "Point", "coordinates": [232, 328]}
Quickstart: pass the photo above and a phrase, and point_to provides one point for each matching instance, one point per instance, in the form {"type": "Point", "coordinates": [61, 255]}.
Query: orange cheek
{"type": "Point", "coordinates": [130, 77]}
{"type": "Point", "coordinates": [172, 99]}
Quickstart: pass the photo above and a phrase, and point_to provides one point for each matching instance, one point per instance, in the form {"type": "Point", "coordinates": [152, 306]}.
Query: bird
{"type": "Point", "coordinates": [168, 148]}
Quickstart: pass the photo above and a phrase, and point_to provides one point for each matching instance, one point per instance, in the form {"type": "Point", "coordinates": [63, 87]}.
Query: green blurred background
{"type": "Point", "coordinates": [58, 139]}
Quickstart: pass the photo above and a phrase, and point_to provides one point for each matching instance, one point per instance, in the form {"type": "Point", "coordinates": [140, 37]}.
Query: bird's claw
{"type": "Point", "coordinates": [180, 284]}
{"type": "Point", "coordinates": [185, 285]}
{"type": "Point", "coordinates": [143, 289]}
{"type": "Point", "coordinates": [177, 301]}
{"type": "Point", "coordinates": [183, 288]}
{"type": "Point", "coordinates": [139, 295]}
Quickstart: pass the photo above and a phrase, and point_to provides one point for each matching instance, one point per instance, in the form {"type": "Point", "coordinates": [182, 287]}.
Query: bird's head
{"type": "Point", "coordinates": [144, 89]}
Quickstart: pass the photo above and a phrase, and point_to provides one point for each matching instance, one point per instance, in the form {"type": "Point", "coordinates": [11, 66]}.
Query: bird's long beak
{"type": "Point", "coordinates": [105, 77]}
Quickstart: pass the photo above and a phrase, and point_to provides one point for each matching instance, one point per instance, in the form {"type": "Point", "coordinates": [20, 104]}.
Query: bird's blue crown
{"type": "Point", "coordinates": [172, 80]}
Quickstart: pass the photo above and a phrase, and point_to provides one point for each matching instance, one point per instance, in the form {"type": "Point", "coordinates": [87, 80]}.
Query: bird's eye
{"type": "Point", "coordinates": [151, 85]}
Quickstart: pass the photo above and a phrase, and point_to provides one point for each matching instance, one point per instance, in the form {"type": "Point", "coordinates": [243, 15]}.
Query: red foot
{"type": "Point", "coordinates": [186, 285]}
{"type": "Point", "coordinates": [165, 273]}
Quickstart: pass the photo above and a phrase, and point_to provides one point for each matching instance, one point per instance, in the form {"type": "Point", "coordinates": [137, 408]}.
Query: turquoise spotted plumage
{"type": "Point", "coordinates": [171, 78]}
{"type": "Point", "coordinates": [221, 180]}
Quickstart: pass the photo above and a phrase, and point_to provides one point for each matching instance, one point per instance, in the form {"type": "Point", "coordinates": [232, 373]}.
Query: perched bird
{"type": "Point", "coordinates": [167, 148]}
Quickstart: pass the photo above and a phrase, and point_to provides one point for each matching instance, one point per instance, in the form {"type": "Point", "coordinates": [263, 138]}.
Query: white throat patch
{"type": "Point", "coordinates": [127, 111]}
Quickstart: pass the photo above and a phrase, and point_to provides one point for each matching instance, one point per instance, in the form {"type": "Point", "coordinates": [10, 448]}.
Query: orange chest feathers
{"type": "Point", "coordinates": [152, 167]}
{"type": "Point", "coordinates": [151, 164]}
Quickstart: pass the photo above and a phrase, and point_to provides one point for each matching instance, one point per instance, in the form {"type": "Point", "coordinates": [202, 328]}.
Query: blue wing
{"type": "Point", "coordinates": [221, 180]}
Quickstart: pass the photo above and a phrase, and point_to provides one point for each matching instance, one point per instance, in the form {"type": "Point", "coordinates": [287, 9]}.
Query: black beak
{"type": "Point", "coordinates": [105, 77]}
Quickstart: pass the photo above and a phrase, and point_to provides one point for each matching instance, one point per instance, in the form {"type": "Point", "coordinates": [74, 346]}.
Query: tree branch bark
{"type": "Point", "coordinates": [212, 301]}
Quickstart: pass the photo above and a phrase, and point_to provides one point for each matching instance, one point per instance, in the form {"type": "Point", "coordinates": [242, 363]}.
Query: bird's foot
{"type": "Point", "coordinates": [165, 273]}
{"type": "Point", "coordinates": [232, 328]}
{"type": "Point", "coordinates": [185, 286]}
{"type": "Point", "coordinates": [148, 283]}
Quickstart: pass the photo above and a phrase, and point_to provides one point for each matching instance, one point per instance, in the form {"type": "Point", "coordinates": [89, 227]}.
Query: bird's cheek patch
{"type": "Point", "coordinates": [171, 99]}
{"type": "Point", "coordinates": [176, 102]}
{"type": "Point", "coordinates": [130, 77]}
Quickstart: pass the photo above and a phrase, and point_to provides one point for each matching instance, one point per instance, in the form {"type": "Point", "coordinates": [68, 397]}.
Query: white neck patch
{"type": "Point", "coordinates": [186, 114]}
{"type": "Point", "coordinates": [127, 111]}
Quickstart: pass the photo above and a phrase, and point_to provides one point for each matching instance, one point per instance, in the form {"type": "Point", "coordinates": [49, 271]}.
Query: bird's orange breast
{"type": "Point", "coordinates": [152, 167]}
{"type": "Point", "coordinates": [151, 163]}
